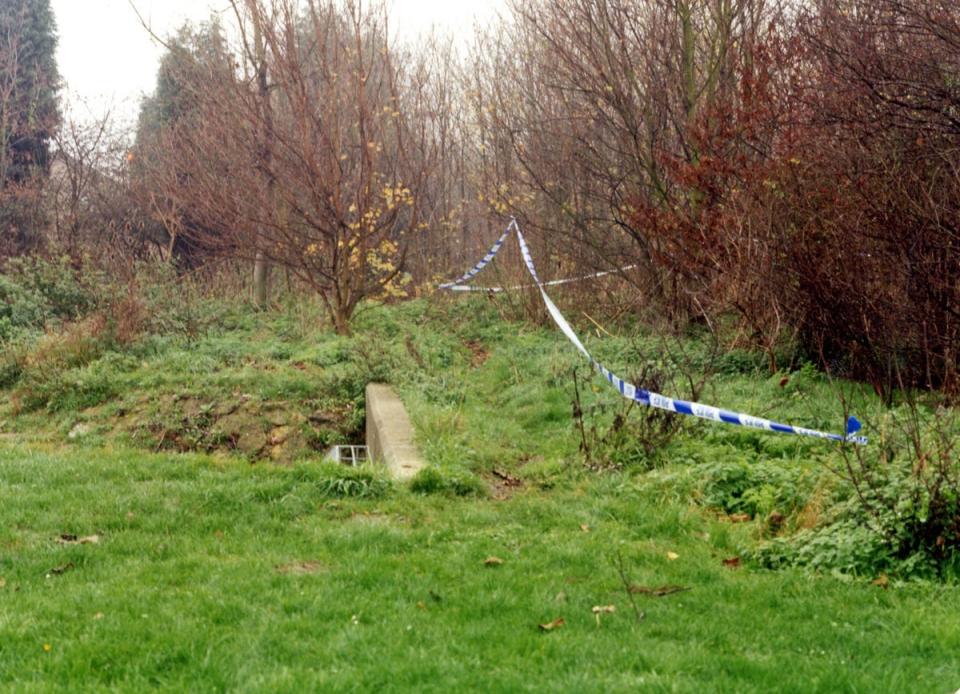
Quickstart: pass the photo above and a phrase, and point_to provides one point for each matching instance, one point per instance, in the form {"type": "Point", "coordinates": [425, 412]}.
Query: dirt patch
{"type": "Point", "coordinates": [243, 431]}
{"type": "Point", "coordinates": [373, 518]}
{"type": "Point", "coordinates": [478, 353]}
{"type": "Point", "coordinates": [503, 485]}
{"type": "Point", "coordinates": [279, 432]}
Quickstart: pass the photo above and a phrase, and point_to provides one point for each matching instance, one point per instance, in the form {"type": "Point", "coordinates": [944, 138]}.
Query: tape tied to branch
{"type": "Point", "coordinates": [551, 283]}
{"type": "Point", "coordinates": [628, 390]}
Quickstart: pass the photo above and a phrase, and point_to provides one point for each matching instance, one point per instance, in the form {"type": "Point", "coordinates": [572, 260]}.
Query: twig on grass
{"type": "Point", "coordinates": [624, 579]}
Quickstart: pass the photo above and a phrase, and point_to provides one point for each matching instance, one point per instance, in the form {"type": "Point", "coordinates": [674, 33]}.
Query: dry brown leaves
{"type": "Point", "coordinates": [67, 539]}
{"type": "Point", "coordinates": [555, 624]}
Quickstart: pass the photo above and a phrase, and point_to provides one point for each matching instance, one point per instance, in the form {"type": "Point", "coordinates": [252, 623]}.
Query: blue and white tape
{"type": "Point", "coordinates": [486, 260]}
{"type": "Point", "coordinates": [641, 395]}
{"type": "Point", "coordinates": [551, 283]}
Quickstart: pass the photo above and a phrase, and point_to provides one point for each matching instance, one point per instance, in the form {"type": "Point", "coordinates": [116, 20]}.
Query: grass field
{"type": "Point", "coordinates": [217, 576]}
{"type": "Point", "coordinates": [145, 545]}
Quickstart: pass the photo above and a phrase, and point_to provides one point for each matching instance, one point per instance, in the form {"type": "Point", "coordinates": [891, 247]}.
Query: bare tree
{"type": "Point", "coordinates": [80, 160]}
{"type": "Point", "coordinates": [586, 107]}
{"type": "Point", "coordinates": [325, 176]}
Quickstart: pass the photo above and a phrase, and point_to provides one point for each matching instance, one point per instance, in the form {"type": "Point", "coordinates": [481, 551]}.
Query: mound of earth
{"type": "Point", "coordinates": [258, 430]}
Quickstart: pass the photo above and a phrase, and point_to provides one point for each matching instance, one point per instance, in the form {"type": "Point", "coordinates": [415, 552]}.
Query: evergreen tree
{"type": "Point", "coordinates": [194, 54]}
{"type": "Point", "coordinates": [29, 116]}
{"type": "Point", "coordinates": [197, 55]}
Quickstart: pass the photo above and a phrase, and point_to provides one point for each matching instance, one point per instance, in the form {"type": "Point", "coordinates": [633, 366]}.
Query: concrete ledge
{"type": "Point", "coordinates": [390, 434]}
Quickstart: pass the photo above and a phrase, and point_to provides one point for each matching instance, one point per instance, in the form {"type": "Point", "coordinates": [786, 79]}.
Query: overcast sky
{"type": "Point", "coordinates": [107, 59]}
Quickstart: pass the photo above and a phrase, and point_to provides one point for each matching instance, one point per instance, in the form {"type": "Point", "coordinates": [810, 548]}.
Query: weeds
{"type": "Point", "coordinates": [895, 509]}
{"type": "Point", "coordinates": [433, 480]}
{"type": "Point", "coordinates": [636, 436]}
{"type": "Point", "coordinates": [908, 487]}
{"type": "Point", "coordinates": [366, 482]}
{"type": "Point", "coordinates": [486, 400]}
{"type": "Point", "coordinates": [36, 293]}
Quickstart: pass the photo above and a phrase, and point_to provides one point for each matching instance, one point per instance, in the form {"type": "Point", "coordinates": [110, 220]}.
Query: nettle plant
{"type": "Point", "coordinates": [898, 510]}
{"type": "Point", "coordinates": [907, 487]}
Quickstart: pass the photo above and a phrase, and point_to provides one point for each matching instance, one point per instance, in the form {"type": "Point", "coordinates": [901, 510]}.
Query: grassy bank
{"type": "Point", "coordinates": [150, 539]}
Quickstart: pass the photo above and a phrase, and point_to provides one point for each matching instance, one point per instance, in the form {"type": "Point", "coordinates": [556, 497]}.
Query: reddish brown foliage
{"type": "Point", "coordinates": [825, 196]}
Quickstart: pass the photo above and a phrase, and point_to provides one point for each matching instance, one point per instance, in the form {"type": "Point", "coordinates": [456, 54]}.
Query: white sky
{"type": "Point", "coordinates": [108, 60]}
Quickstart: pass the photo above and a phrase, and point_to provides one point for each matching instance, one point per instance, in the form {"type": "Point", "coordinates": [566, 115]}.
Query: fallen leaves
{"type": "Point", "coordinates": [739, 517]}
{"type": "Point", "coordinates": [555, 624]}
{"type": "Point", "coordinates": [68, 539]}
{"type": "Point", "coordinates": [732, 563]}
{"type": "Point", "coordinates": [881, 581]}
{"type": "Point", "coordinates": [672, 556]}
{"type": "Point", "coordinates": [3, 583]}
{"type": "Point", "coordinates": [584, 528]}
{"type": "Point", "coordinates": [658, 592]}
{"type": "Point", "coordinates": [493, 561]}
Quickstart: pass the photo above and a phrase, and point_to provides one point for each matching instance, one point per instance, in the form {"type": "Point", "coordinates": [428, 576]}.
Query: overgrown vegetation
{"type": "Point", "coordinates": [511, 525]}
{"type": "Point", "coordinates": [500, 407]}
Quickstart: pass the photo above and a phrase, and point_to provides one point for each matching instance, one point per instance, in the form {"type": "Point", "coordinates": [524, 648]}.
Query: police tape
{"type": "Point", "coordinates": [486, 260]}
{"type": "Point", "coordinates": [551, 283]}
{"type": "Point", "coordinates": [641, 395]}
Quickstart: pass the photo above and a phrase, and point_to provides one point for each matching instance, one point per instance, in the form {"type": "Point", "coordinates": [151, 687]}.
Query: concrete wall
{"type": "Point", "coordinates": [390, 433]}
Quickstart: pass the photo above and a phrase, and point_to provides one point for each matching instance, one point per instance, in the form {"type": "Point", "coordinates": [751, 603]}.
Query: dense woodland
{"type": "Point", "coordinates": [783, 172]}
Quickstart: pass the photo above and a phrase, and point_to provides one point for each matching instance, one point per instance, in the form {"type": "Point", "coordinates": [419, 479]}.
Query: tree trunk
{"type": "Point", "coordinates": [261, 266]}
{"type": "Point", "coordinates": [261, 275]}
{"type": "Point", "coordinates": [341, 322]}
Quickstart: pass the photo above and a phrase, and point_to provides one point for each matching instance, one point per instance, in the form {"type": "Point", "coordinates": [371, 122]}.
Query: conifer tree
{"type": "Point", "coordinates": [29, 116]}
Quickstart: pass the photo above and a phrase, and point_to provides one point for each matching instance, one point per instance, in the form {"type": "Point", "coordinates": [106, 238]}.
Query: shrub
{"type": "Point", "coordinates": [171, 304]}
{"type": "Point", "coordinates": [902, 511]}
{"type": "Point", "coordinates": [67, 390]}
{"type": "Point", "coordinates": [35, 292]}
{"type": "Point", "coordinates": [55, 372]}
{"type": "Point", "coordinates": [13, 356]}
{"type": "Point", "coordinates": [637, 435]}
{"type": "Point", "coordinates": [907, 487]}
{"type": "Point", "coordinates": [752, 488]}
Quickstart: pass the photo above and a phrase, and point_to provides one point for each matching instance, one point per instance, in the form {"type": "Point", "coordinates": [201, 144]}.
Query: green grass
{"type": "Point", "coordinates": [214, 574]}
